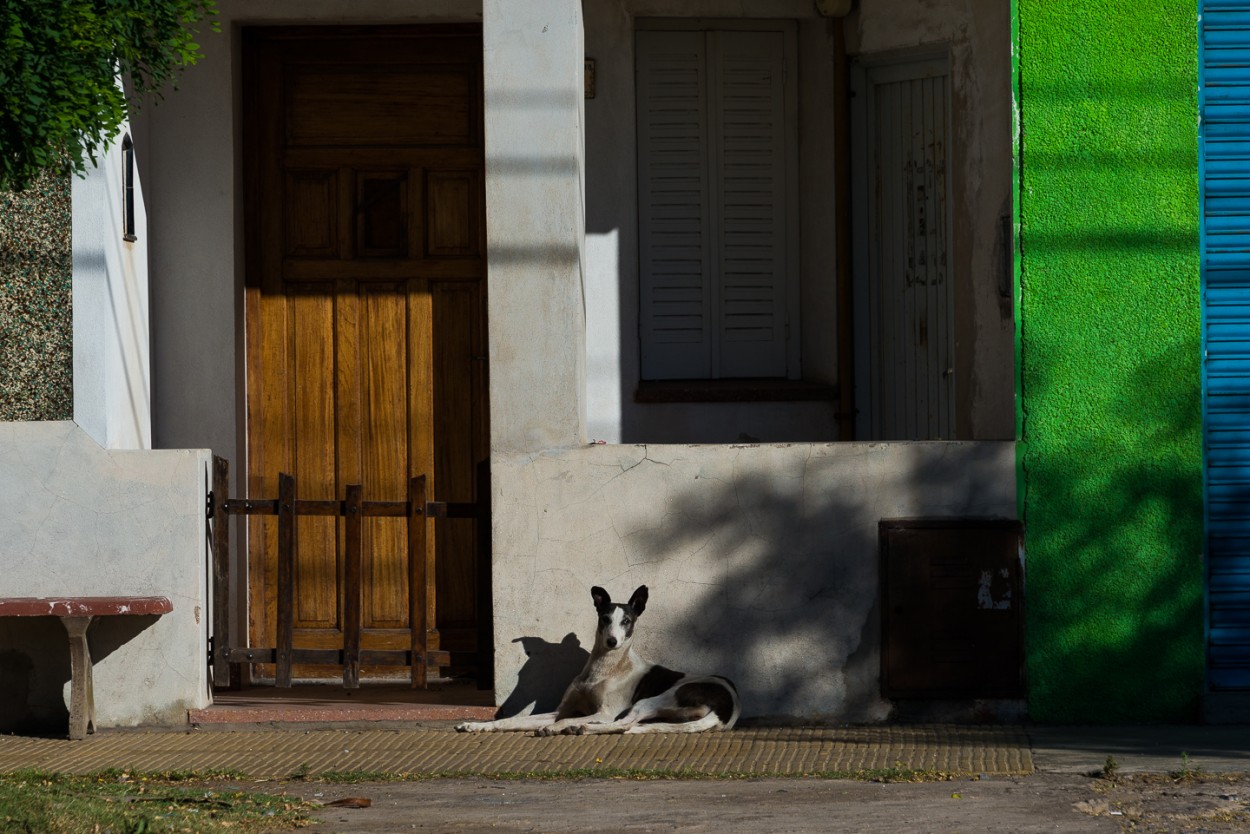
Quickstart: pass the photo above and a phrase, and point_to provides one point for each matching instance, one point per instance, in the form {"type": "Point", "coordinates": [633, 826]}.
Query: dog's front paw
{"type": "Point", "coordinates": [470, 727]}
{"type": "Point", "coordinates": [547, 731]}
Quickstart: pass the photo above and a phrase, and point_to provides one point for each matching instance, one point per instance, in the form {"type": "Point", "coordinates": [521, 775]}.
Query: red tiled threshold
{"type": "Point", "coordinates": [319, 703]}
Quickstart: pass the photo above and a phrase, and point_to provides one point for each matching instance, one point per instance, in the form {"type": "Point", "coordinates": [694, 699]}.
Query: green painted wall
{"type": "Point", "coordinates": [36, 318]}
{"type": "Point", "coordinates": [1110, 410]}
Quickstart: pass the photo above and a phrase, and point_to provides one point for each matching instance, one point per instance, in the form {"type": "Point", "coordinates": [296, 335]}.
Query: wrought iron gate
{"type": "Point", "coordinates": [227, 657]}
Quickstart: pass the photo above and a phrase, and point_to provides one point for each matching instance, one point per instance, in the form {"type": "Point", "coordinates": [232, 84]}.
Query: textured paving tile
{"type": "Point", "coordinates": [778, 751]}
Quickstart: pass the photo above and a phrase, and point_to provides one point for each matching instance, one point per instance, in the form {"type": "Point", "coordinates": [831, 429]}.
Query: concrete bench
{"type": "Point", "coordinates": [77, 614]}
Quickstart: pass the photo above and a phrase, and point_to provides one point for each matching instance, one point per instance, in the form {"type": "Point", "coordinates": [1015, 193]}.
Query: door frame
{"type": "Point", "coordinates": [926, 61]}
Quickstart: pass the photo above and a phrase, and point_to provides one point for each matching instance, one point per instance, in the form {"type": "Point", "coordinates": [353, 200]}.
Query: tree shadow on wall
{"type": "Point", "coordinates": [1114, 540]}
{"type": "Point", "coordinates": [766, 569]}
{"type": "Point", "coordinates": [785, 590]}
{"type": "Point", "coordinates": [779, 581]}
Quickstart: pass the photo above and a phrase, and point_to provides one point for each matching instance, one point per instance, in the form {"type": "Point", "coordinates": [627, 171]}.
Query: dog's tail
{"type": "Point", "coordinates": [735, 710]}
{"type": "Point", "coordinates": [718, 694]}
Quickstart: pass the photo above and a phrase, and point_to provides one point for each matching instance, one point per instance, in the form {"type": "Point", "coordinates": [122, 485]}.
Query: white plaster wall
{"type": "Point", "coordinates": [112, 369]}
{"type": "Point", "coordinates": [612, 346]}
{"type": "Point", "coordinates": [761, 560]}
{"type": "Point", "coordinates": [80, 520]}
{"type": "Point", "coordinates": [535, 221]}
{"type": "Point", "coordinates": [978, 33]}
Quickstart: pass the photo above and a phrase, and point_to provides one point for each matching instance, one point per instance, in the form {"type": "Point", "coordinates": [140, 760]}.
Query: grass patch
{"type": "Point", "coordinates": [1188, 771]}
{"type": "Point", "coordinates": [127, 803]}
{"type": "Point", "coordinates": [894, 774]}
{"type": "Point", "coordinates": [210, 774]}
{"type": "Point", "coordinates": [1111, 769]}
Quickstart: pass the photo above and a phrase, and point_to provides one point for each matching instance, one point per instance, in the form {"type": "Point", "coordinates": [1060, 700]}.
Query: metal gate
{"type": "Point", "coordinates": [226, 657]}
{"type": "Point", "coordinates": [1224, 147]}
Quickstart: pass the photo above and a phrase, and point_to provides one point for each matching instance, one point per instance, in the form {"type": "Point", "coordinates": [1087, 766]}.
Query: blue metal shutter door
{"type": "Point", "coordinates": [1224, 146]}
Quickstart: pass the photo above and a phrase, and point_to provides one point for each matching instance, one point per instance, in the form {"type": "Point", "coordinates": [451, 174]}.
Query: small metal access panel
{"type": "Point", "coordinates": [952, 603]}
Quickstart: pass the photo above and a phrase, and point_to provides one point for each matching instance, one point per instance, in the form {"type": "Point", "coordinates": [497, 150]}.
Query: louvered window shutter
{"type": "Point", "coordinates": [674, 217]}
{"type": "Point", "coordinates": [712, 204]}
{"type": "Point", "coordinates": [750, 208]}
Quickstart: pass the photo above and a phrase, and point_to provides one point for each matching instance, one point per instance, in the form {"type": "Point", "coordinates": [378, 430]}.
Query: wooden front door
{"type": "Point", "coordinates": [365, 314]}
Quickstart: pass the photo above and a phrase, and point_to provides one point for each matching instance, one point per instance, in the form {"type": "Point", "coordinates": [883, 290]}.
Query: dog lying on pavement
{"type": "Point", "coordinates": [619, 692]}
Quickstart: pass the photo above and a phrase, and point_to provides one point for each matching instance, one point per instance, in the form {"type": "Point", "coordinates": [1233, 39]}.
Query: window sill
{"type": "Point", "coordinates": [733, 391]}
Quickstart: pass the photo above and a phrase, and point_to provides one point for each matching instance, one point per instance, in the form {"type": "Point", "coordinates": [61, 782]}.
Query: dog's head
{"type": "Point", "coordinates": [616, 620]}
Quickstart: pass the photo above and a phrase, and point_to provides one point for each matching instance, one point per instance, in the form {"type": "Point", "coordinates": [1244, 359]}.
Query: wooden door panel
{"type": "Point", "coordinates": [312, 222]}
{"type": "Point", "coordinates": [309, 271]}
{"type": "Point", "coordinates": [311, 391]}
{"type": "Point", "coordinates": [365, 314]}
{"type": "Point", "coordinates": [459, 375]}
{"type": "Point", "coordinates": [451, 204]}
{"type": "Point", "coordinates": [316, 573]}
{"type": "Point", "coordinates": [310, 319]}
{"type": "Point", "coordinates": [381, 214]}
{"type": "Point", "coordinates": [421, 432]}
{"type": "Point", "coordinates": [385, 453]}
{"type": "Point", "coordinates": [270, 429]}
{"type": "Point", "coordinates": [356, 107]}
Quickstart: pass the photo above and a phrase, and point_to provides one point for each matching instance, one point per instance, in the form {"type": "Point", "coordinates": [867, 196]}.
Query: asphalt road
{"type": "Point", "coordinates": [1044, 802]}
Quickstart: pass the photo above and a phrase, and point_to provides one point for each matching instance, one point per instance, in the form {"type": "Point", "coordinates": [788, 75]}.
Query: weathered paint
{"type": "Point", "coordinates": [92, 606]}
{"type": "Point", "coordinates": [81, 521]}
{"type": "Point", "coordinates": [977, 35]}
{"type": "Point", "coordinates": [761, 560]}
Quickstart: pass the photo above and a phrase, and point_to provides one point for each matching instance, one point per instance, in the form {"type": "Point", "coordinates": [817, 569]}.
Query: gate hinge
{"type": "Point", "coordinates": [208, 509]}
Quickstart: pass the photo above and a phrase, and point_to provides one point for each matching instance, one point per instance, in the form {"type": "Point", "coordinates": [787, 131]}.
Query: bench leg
{"type": "Point", "coordinates": [81, 697]}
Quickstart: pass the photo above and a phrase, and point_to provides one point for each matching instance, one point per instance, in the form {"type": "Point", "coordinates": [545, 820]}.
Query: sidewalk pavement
{"type": "Point", "coordinates": [434, 749]}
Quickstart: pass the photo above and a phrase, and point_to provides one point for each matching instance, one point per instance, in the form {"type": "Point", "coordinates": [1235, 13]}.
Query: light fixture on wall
{"type": "Point", "coordinates": [128, 189]}
{"type": "Point", "coordinates": [834, 8]}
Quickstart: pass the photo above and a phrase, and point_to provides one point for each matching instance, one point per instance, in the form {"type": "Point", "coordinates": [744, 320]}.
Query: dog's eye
{"type": "Point", "coordinates": [605, 619]}
{"type": "Point", "coordinates": [625, 621]}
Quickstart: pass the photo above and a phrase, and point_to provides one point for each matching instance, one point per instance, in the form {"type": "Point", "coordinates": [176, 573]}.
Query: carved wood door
{"type": "Point", "coordinates": [365, 312]}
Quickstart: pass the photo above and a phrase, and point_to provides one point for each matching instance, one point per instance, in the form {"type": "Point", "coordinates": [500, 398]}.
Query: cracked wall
{"type": "Point", "coordinates": [83, 521]}
{"type": "Point", "coordinates": [762, 560]}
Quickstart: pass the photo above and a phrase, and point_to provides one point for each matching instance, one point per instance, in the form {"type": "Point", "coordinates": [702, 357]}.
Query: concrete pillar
{"type": "Point", "coordinates": [533, 55]}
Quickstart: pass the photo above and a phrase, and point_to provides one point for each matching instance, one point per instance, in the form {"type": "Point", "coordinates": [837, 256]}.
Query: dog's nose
{"type": "Point", "coordinates": [611, 641]}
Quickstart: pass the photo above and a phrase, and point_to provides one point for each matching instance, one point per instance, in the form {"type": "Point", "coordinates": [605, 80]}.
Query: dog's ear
{"type": "Point", "coordinates": [601, 598]}
{"type": "Point", "coordinates": [638, 601]}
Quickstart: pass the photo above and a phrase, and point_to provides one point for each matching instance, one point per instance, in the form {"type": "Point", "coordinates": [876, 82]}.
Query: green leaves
{"type": "Point", "coordinates": [60, 64]}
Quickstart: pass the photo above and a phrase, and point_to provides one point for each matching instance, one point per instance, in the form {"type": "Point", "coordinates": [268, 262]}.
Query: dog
{"type": "Point", "coordinates": [619, 692]}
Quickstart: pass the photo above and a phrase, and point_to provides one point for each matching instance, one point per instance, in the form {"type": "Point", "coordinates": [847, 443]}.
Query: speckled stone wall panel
{"type": "Point", "coordinates": [1110, 399]}
{"type": "Point", "coordinates": [36, 316]}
